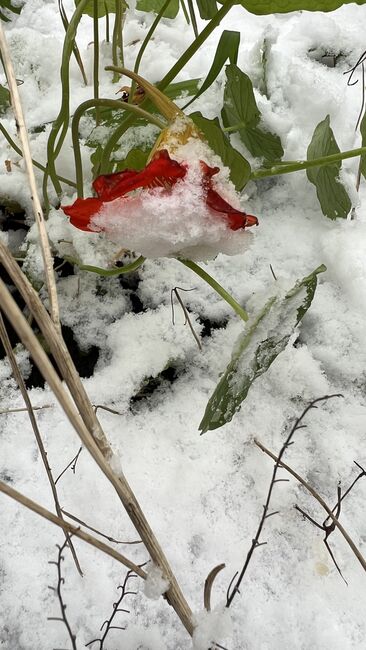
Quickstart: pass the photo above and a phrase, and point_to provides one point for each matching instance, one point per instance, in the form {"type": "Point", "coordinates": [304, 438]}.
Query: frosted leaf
{"type": "Point", "coordinates": [155, 584]}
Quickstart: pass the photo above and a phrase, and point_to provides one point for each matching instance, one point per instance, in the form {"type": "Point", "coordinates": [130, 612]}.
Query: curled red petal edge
{"type": "Point", "coordinates": [82, 211]}
{"type": "Point", "coordinates": [235, 218]}
{"type": "Point", "coordinates": [160, 171]}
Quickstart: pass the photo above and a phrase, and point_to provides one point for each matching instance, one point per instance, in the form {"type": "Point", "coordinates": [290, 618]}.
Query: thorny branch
{"type": "Point", "coordinates": [22, 387]}
{"type": "Point", "coordinates": [329, 525]}
{"type": "Point", "coordinates": [320, 500]}
{"type": "Point", "coordinates": [236, 581]}
{"type": "Point", "coordinates": [116, 609]}
{"type": "Point", "coordinates": [58, 591]}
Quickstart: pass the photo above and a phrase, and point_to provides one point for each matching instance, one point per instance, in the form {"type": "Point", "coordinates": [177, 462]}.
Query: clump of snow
{"type": "Point", "coordinates": [155, 584]}
{"type": "Point", "coordinates": [116, 465]}
{"type": "Point", "coordinates": [211, 627]}
{"type": "Point", "coordinates": [171, 223]}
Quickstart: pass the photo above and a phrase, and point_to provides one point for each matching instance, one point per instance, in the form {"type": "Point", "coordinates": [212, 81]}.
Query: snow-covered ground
{"type": "Point", "coordinates": [202, 495]}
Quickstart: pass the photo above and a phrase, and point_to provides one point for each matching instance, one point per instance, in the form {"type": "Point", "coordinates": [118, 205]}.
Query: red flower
{"type": "Point", "coordinates": [162, 171]}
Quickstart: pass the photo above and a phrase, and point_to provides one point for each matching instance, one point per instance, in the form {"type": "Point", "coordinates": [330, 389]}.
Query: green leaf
{"type": "Point", "coordinates": [240, 112]}
{"type": "Point", "coordinates": [7, 4]}
{"type": "Point", "coordinates": [363, 133]}
{"type": "Point", "coordinates": [4, 99]}
{"type": "Point", "coordinates": [207, 8]}
{"type": "Point", "coordinates": [95, 159]}
{"type": "Point", "coordinates": [136, 159]}
{"type": "Point", "coordinates": [265, 337]}
{"type": "Point", "coordinates": [104, 6]}
{"type": "Point", "coordinates": [262, 7]}
{"type": "Point", "coordinates": [227, 48]}
{"type": "Point", "coordinates": [189, 87]}
{"type": "Point", "coordinates": [239, 167]}
{"type": "Point", "coordinates": [333, 198]}
{"type": "Point", "coordinates": [156, 5]}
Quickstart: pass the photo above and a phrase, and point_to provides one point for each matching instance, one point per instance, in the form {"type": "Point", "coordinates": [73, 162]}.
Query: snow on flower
{"type": "Point", "coordinates": [181, 204]}
{"type": "Point", "coordinates": [155, 584]}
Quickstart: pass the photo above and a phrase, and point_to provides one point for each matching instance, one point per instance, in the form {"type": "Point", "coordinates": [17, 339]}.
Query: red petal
{"type": "Point", "coordinates": [162, 170]}
{"type": "Point", "coordinates": [235, 218]}
{"type": "Point", "coordinates": [82, 211]}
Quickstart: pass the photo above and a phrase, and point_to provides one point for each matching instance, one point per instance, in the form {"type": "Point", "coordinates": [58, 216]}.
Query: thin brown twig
{"type": "Point", "coordinates": [58, 591]}
{"type": "Point", "coordinates": [116, 609]}
{"type": "Point", "coordinates": [319, 499]}
{"type": "Point", "coordinates": [71, 464]}
{"type": "Point", "coordinates": [37, 434]}
{"type": "Point", "coordinates": [95, 530]}
{"type": "Point", "coordinates": [266, 514]}
{"type": "Point", "coordinates": [69, 528]}
{"type": "Point", "coordinates": [185, 312]}
{"type": "Point", "coordinates": [24, 409]}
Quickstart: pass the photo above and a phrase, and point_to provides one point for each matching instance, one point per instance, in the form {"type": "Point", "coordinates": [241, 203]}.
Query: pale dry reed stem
{"type": "Point", "coordinates": [37, 208]}
{"type": "Point", "coordinates": [70, 529]}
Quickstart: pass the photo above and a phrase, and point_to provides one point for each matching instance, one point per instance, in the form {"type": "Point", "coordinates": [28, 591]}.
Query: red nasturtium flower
{"type": "Point", "coordinates": [162, 171]}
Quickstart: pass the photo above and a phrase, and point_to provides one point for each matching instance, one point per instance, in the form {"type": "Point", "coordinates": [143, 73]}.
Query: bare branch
{"type": "Point", "coordinates": [71, 464]}
{"type": "Point", "coordinates": [76, 532]}
{"type": "Point", "coordinates": [110, 539]}
{"type": "Point", "coordinates": [255, 542]}
{"type": "Point", "coordinates": [320, 500]}
{"type": "Point", "coordinates": [58, 591]}
{"type": "Point", "coordinates": [37, 434]}
{"type": "Point", "coordinates": [185, 312]}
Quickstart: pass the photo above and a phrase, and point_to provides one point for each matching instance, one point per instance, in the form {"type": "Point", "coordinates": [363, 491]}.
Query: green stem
{"type": "Point", "coordinates": [106, 22]}
{"type": "Point", "coordinates": [185, 12]}
{"type": "Point", "coordinates": [186, 56]}
{"type": "Point", "coordinates": [144, 45]}
{"type": "Point", "coordinates": [193, 17]}
{"type": "Point", "coordinates": [217, 287]}
{"type": "Point", "coordinates": [197, 43]}
{"type": "Point", "coordinates": [61, 122]}
{"type": "Point", "coordinates": [117, 39]}
{"type": "Point", "coordinates": [235, 127]}
{"type": "Point", "coordinates": [35, 162]}
{"type": "Point", "coordinates": [133, 266]}
{"type": "Point", "coordinates": [110, 103]}
{"type": "Point", "coordinates": [300, 165]}
{"type": "Point", "coordinates": [96, 59]}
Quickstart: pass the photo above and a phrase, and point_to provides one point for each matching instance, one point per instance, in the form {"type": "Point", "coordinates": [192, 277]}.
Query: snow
{"type": "Point", "coordinates": [155, 584]}
{"type": "Point", "coordinates": [202, 495]}
{"type": "Point", "coordinates": [211, 627]}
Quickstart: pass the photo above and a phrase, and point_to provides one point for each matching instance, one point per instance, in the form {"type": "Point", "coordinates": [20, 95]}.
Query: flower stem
{"type": "Point", "coordinates": [217, 287]}
{"type": "Point", "coordinates": [186, 56]}
{"type": "Point", "coordinates": [195, 46]}
{"type": "Point", "coordinates": [110, 103]}
{"type": "Point", "coordinates": [96, 60]}
{"type": "Point", "coordinates": [61, 123]}
{"type": "Point", "coordinates": [144, 45]}
{"type": "Point", "coordinates": [299, 165]}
